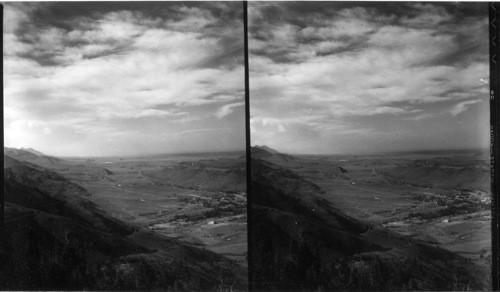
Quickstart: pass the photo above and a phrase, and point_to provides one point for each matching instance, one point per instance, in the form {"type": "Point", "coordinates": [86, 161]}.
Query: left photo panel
{"type": "Point", "coordinates": [124, 146]}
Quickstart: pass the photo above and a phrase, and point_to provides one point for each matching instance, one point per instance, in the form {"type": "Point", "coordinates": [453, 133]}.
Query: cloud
{"type": "Point", "coordinates": [202, 130]}
{"type": "Point", "coordinates": [462, 106]}
{"type": "Point", "coordinates": [227, 109]}
{"type": "Point", "coordinates": [100, 67]}
{"type": "Point", "coordinates": [421, 117]}
{"type": "Point", "coordinates": [371, 62]}
{"type": "Point", "coordinates": [426, 15]}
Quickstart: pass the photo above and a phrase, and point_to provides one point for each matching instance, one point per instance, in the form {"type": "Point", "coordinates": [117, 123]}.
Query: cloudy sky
{"type": "Point", "coordinates": [124, 78]}
{"type": "Point", "coordinates": [368, 77]}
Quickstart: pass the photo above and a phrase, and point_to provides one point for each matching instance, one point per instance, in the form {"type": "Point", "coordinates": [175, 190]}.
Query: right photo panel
{"type": "Point", "coordinates": [370, 164]}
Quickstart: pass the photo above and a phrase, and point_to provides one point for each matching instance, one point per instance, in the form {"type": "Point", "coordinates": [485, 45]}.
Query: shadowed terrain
{"type": "Point", "coordinates": [57, 236]}
{"type": "Point", "coordinates": [302, 239]}
{"type": "Point", "coordinates": [225, 175]}
{"type": "Point", "coordinates": [444, 172]}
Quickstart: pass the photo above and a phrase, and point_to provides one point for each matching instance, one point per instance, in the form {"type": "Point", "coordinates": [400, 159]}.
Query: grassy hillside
{"type": "Point", "coordinates": [213, 175]}
{"type": "Point", "coordinates": [442, 173]}
{"type": "Point", "coordinates": [55, 238]}
{"type": "Point", "coordinates": [300, 240]}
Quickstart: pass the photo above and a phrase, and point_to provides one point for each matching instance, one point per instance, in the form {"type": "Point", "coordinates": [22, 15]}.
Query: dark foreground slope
{"type": "Point", "coordinates": [301, 241]}
{"type": "Point", "coordinates": [54, 238]}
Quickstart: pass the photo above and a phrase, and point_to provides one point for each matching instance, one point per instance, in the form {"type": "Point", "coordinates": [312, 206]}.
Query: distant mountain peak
{"type": "Point", "coordinates": [31, 150]}
{"type": "Point", "coordinates": [19, 154]}
{"type": "Point", "coordinates": [30, 155]}
{"type": "Point", "coordinates": [268, 149]}
{"type": "Point", "coordinates": [267, 153]}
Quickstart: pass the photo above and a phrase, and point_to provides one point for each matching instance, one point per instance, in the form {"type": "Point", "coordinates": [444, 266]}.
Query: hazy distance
{"type": "Point", "coordinates": [123, 78]}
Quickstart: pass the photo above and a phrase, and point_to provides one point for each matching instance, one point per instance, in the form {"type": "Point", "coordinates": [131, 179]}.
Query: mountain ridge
{"type": "Point", "coordinates": [31, 155]}
{"type": "Point", "coordinates": [38, 153]}
{"type": "Point", "coordinates": [269, 154]}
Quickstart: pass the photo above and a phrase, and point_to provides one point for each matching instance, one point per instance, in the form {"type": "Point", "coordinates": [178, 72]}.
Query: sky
{"type": "Point", "coordinates": [129, 78]}
{"type": "Point", "coordinates": [341, 78]}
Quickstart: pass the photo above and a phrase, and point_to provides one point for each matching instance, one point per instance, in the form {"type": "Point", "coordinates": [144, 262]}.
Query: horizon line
{"type": "Point", "coordinates": [381, 152]}
{"type": "Point", "coordinates": [132, 155]}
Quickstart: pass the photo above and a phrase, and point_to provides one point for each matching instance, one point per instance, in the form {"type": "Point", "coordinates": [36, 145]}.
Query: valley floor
{"type": "Point", "coordinates": [439, 198]}
{"type": "Point", "coordinates": [139, 191]}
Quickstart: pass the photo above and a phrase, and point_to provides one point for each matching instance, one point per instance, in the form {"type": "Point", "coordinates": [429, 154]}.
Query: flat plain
{"type": "Point", "coordinates": [439, 197]}
{"type": "Point", "coordinates": [199, 199]}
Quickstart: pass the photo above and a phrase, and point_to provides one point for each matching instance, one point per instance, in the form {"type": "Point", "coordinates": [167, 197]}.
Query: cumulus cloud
{"type": "Point", "coordinates": [108, 65]}
{"type": "Point", "coordinates": [374, 62]}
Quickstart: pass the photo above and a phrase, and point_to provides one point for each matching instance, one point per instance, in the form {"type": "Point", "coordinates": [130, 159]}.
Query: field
{"type": "Point", "coordinates": [168, 222]}
{"type": "Point", "coordinates": [395, 221]}
{"type": "Point", "coordinates": [199, 199]}
{"type": "Point", "coordinates": [441, 197]}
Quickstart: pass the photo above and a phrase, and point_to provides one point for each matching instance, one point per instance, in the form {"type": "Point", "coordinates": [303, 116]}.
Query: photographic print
{"type": "Point", "coordinates": [124, 146]}
{"type": "Point", "coordinates": [370, 146]}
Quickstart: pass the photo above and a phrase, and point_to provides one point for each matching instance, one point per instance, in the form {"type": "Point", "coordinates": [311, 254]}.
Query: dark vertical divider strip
{"type": "Point", "coordinates": [494, 132]}
{"type": "Point", "coordinates": [248, 145]}
{"type": "Point", "coordinates": [2, 197]}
